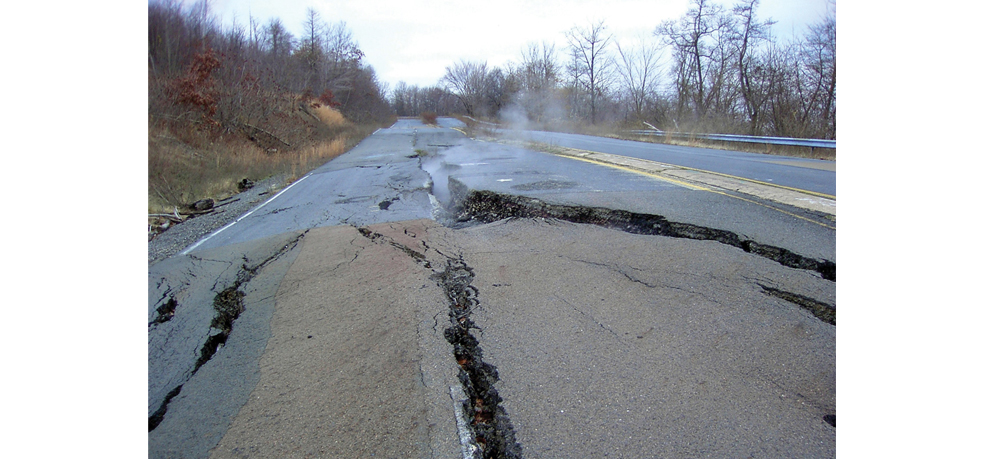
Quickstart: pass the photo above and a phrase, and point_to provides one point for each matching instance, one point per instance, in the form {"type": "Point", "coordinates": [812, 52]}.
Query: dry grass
{"type": "Point", "coordinates": [429, 118]}
{"type": "Point", "coordinates": [767, 149]}
{"type": "Point", "coordinates": [329, 116]}
{"type": "Point", "coordinates": [183, 171]}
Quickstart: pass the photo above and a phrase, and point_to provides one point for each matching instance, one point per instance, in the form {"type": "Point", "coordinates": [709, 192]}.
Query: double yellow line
{"type": "Point", "coordinates": [759, 182]}
{"type": "Point", "coordinates": [638, 171]}
{"type": "Point", "coordinates": [701, 188]}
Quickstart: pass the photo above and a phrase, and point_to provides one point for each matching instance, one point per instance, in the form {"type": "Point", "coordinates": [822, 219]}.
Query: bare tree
{"type": "Point", "coordinates": [310, 49]}
{"type": "Point", "coordinates": [538, 68]}
{"type": "Point", "coordinates": [640, 72]}
{"type": "Point", "coordinates": [803, 84]}
{"type": "Point", "coordinates": [278, 41]}
{"type": "Point", "coordinates": [365, 97]}
{"type": "Point", "coordinates": [255, 32]}
{"type": "Point", "coordinates": [399, 98]}
{"type": "Point", "coordinates": [176, 34]}
{"type": "Point", "coordinates": [203, 23]}
{"type": "Point", "coordinates": [341, 58]}
{"type": "Point", "coordinates": [748, 36]}
{"type": "Point", "coordinates": [820, 59]}
{"type": "Point", "coordinates": [700, 57]}
{"type": "Point", "coordinates": [589, 48]}
{"type": "Point", "coordinates": [536, 80]}
{"type": "Point", "coordinates": [499, 86]}
{"type": "Point", "coordinates": [468, 81]}
{"type": "Point", "coordinates": [278, 45]}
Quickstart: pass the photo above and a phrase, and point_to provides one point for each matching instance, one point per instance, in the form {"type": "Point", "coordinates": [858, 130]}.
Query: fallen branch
{"type": "Point", "coordinates": [197, 212]}
{"type": "Point", "coordinates": [170, 217]}
{"type": "Point", "coordinates": [303, 108]}
{"type": "Point", "coordinates": [269, 133]}
{"type": "Point", "coordinates": [224, 202]}
{"type": "Point", "coordinates": [177, 216]}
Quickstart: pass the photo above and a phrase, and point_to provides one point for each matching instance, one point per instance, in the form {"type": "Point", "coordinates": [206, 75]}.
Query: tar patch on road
{"type": "Point", "coordinates": [384, 204]}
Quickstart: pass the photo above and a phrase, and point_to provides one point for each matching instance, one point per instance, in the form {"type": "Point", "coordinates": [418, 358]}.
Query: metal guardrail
{"type": "Point", "coordinates": [816, 143]}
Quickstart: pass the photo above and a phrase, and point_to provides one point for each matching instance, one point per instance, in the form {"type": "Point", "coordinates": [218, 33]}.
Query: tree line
{"type": "Point", "coordinates": [251, 74]}
{"type": "Point", "coordinates": [713, 69]}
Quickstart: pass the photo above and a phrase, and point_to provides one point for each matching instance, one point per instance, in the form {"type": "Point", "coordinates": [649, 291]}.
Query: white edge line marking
{"type": "Point", "coordinates": [464, 436]}
{"type": "Point", "coordinates": [201, 241]}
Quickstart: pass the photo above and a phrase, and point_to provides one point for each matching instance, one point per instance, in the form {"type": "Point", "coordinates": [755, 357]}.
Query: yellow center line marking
{"type": "Point", "coordinates": [628, 169]}
{"type": "Point", "coordinates": [775, 208]}
{"type": "Point", "coordinates": [798, 190]}
{"type": "Point", "coordinates": [695, 187]}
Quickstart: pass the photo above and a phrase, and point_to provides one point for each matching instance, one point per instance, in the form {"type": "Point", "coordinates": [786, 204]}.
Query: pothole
{"type": "Point", "coordinates": [385, 203]}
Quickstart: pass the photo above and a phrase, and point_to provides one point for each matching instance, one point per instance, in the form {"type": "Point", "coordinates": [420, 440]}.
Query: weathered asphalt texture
{"type": "Point", "coordinates": [610, 344]}
{"type": "Point", "coordinates": [363, 327]}
{"type": "Point", "coordinates": [607, 344]}
{"type": "Point", "coordinates": [515, 171]}
{"type": "Point", "coordinates": [181, 236]}
{"type": "Point", "coordinates": [203, 363]}
{"type": "Point", "coordinates": [355, 366]}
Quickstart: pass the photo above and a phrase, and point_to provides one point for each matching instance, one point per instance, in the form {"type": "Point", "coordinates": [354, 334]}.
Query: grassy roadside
{"type": "Point", "coordinates": [187, 163]}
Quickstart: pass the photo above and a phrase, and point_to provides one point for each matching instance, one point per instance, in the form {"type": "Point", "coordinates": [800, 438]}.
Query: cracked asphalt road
{"type": "Point", "coordinates": [607, 343]}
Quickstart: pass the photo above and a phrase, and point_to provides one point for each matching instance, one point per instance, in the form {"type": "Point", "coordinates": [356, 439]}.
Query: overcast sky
{"type": "Point", "coordinates": [414, 41]}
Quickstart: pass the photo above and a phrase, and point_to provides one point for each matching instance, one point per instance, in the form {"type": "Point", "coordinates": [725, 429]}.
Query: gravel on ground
{"type": "Point", "coordinates": [179, 236]}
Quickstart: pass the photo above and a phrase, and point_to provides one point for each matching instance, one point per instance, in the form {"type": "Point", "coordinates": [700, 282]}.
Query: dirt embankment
{"type": "Point", "coordinates": [201, 177]}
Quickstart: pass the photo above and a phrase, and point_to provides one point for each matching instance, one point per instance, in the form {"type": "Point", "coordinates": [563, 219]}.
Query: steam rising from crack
{"type": "Point", "coordinates": [439, 169]}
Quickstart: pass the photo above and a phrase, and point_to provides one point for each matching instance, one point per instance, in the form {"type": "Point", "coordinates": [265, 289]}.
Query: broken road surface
{"type": "Point", "coordinates": [429, 295]}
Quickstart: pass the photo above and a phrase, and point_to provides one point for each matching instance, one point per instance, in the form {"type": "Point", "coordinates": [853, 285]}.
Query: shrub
{"type": "Point", "coordinates": [331, 117]}
{"type": "Point", "coordinates": [197, 87]}
{"type": "Point", "coordinates": [429, 117]}
{"type": "Point", "coordinates": [327, 97]}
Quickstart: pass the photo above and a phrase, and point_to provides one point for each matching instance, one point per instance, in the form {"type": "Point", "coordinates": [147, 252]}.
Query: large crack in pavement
{"type": "Point", "coordinates": [228, 305]}
{"type": "Point", "coordinates": [583, 321]}
{"type": "Point", "coordinates": [494, 435]}
{"type": "Point", "coordinates": [460, 206]}
{"type": "Point", "coordinates": [821, 310]}
{"type": "Point", "coordinates": [487, 206]}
